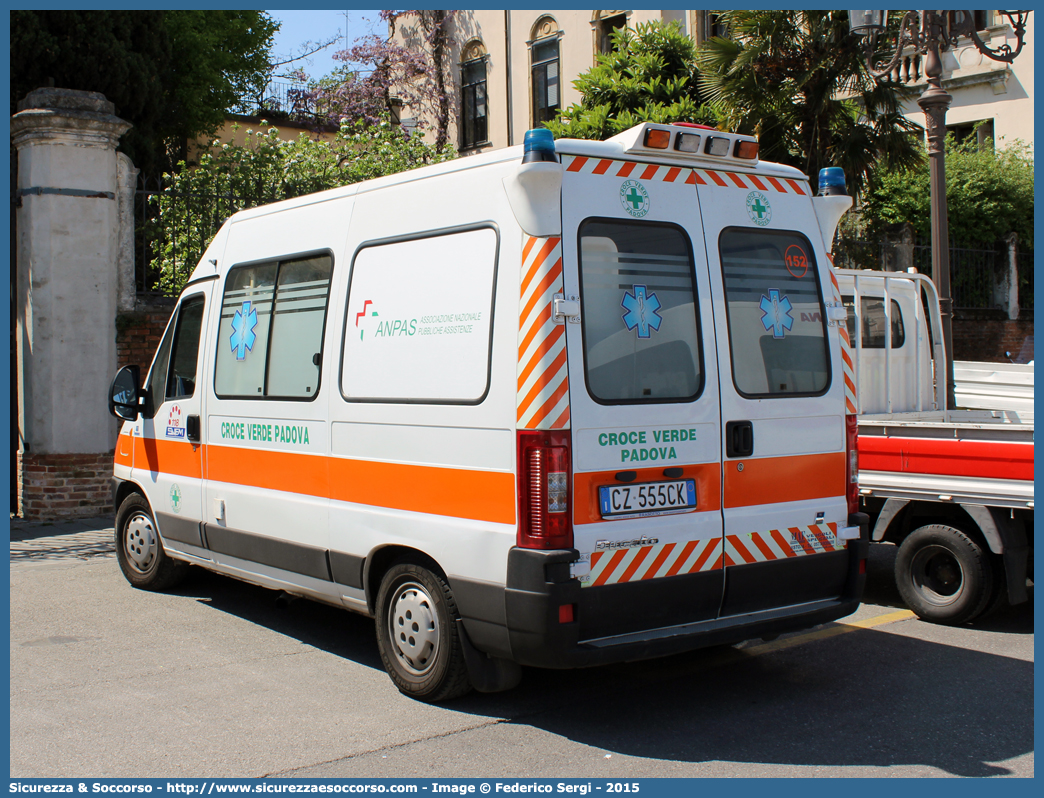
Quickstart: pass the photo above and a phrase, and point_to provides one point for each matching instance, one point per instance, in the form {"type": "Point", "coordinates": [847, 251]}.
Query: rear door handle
{"type": "Point", "coordinates": [192, 428]}
{"type": "Point", "coordinates": [739, 439]}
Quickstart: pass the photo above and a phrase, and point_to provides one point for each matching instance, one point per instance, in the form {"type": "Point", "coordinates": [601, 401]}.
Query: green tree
{"type": "Point", "coordinates": [265, 169]}
{"type": "Point", "coordinates": [650, 76]}
{"type": "Point", "coordinates": [172, 74]}
{"type": "Point", "coordinates": [989, 193]}
{"type": "Point", "coordinates": [798, 81]}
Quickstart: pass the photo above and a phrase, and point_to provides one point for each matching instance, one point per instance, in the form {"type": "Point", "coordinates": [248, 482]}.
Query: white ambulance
{"type": "Point", "coordinates": [557, 405]}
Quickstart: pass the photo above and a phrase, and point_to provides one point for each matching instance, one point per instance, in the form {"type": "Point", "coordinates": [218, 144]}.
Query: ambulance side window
{"type": "Point", "coordinates": [640, 327]}
{"type": "Point", "coordinates": [777, 324]}
{"type": "Point", "coordinates": [270, 338]}
{"type": "Point", "coordinates": [181, 382]}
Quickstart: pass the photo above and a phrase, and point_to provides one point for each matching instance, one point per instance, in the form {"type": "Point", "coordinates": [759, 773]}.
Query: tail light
{"type": "Point", "coordinates": [852, 461]}
{"type": "Point", "coordinates": [544, 493]}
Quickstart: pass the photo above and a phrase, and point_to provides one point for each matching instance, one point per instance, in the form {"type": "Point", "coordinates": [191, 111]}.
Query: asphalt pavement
{"type": "Point", "coordinates": [220, 678]}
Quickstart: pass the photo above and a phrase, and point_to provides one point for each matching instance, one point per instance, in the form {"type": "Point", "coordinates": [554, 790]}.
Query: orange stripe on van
{"type": "Point", "coordinates": [685, 552]}
{"type": "Point", "coordinates": [553, 275]}
{"type": "Point", "coordinates": [454, 492]}
{"type": "Point", "coordinates": [179, 458]}
{"type": "Point", "coordinates": [776, 184]}
{"type": "Point", "coordinates": [796, 186]}
{"type": "Point", "coordinates": [538, 323]}
{"type": "Point", "coordinates": [672, 174]}
{"type": "Point", "coordinates": [754, 179]}
{"type": "Point", "coordinates": [458, 493]}
{"type": "Point", "coordinates": [694, 178]}
{"type": "Point", "coordinates": [586, 509]}
{"type": "Point", "coordinates": [626, 169]}
{"type": "Point", "coordinates": [782, 543]}
{"type": "Point", "coordinates": [770, 480]}
{"type": "Point", "coordinates": [602, 166]}
{"type": "Point", "coordinates": [548, 406]}
{"type": "Point", "coordinates": [737, 180]}
{"type": "Point", "coordinates": [577, 164]}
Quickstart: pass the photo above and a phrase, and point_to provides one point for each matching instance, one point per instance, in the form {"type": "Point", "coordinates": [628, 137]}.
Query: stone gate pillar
{"type": "Point", "coordinates": [67, 250]}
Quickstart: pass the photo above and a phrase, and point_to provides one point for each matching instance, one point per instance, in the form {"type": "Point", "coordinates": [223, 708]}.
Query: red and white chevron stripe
{"type": "Point", "coordinates": [847, 364]}
{"type": "Point", "coordinates": [543, 378]}
{"type": "Point", "coordinates": [784, 185]}
{"type": "Point", "coordinates": [628, 169]}
{"type": "Point", "coordinates": [652, 562]}
{"type": "Point", "coordinates": [779, 544]}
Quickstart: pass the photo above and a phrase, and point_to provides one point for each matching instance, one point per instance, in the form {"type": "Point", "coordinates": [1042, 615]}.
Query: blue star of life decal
{"type": "Point", "coordinates": [243, 336]}
{"type": "Point", "coordinates": [775, 313]}
{"type": "Point", "coordinates": [641, 311]}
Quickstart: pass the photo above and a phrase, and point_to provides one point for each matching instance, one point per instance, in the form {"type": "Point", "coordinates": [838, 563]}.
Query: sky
{"type": "Point", "coordinates": [298, 27]}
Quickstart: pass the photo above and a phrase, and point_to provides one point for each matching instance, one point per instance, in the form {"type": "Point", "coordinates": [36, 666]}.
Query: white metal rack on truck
{"type": "Point", "coordinates": [953, 488]}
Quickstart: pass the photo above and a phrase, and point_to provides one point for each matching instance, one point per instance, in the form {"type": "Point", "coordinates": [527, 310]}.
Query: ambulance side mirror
{"type": "Point", "coordinates": [124, 394]}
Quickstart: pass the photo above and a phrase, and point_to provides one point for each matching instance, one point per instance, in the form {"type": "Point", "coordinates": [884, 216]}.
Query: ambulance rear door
{"type": "Point", "coordinates": [782, 404]}
{"type": "Point", "coordinates": [644, 408]}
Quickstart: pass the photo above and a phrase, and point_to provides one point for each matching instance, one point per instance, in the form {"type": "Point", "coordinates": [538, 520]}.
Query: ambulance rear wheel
{"type": "Point", "coordinates": [943, 574]}
{"type": "Point", "coordinates": [417, 634]}
{"type": "Point", "coordinates": [139, 549]}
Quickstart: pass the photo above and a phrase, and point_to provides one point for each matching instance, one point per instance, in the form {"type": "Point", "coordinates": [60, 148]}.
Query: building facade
{"type": "Point", "coordinates": [513, 70]}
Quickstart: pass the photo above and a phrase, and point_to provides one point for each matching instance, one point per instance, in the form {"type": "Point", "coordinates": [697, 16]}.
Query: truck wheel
{"type": "Point", "coordinates": [417, 635]}
{"type": "Point", "coordinates": [139, 549]}
{"type": "Point", "coordinates": [943, 575]}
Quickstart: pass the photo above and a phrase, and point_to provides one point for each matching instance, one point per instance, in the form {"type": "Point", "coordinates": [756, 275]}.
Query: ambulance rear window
{"type": "Point", "coordinates": [641, 335]}
{"type": "Point", "coordinates": [777, 324]}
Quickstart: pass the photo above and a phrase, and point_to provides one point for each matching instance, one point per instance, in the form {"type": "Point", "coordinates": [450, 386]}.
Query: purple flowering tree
{"type": "Point", "coordinates": [411, 70]}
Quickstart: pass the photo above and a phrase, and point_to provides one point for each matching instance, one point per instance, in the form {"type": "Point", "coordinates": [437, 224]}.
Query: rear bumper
{"type": "Point", "coordinates": [637, 620]}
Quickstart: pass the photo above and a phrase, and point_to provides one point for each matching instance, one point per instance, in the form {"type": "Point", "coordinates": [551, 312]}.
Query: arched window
{"type": "Point", "coordinates": [474, 125]}
{"type": "Point", "coordinates": [543, 57]}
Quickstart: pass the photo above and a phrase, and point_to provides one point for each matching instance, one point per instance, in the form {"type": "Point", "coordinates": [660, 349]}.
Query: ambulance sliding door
{"type": "Point", "coordinates": [643, 390]}
{"type": "Point", "coordinates": [783, 442]}
{"type": "Point", "coordinates": [267, 442]}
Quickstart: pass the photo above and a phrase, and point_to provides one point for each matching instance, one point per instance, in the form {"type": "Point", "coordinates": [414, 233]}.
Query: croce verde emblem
{"type": "Point", "coordinates": [758, 208]}
{"type": "Point", "coordinates": [634, 198]}
{"type": "Point", "coordinates": [175, 498]}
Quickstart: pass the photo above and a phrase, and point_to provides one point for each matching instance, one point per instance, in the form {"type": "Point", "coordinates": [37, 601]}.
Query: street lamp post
{"type": "Point", "coordinates": [928, 33]}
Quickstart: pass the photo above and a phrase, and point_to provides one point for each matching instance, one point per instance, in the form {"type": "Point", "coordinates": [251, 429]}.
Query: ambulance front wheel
{"type": "Point", "coordinates": [139, 549]}
{"type": "Point", "coordinates": [417, 634]}
{"type": "Point", "coordinates": [943, 574]}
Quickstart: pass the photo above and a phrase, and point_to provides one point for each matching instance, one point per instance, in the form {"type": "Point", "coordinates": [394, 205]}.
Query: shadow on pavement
{"type": "Point", "coordinates": [867, 698]}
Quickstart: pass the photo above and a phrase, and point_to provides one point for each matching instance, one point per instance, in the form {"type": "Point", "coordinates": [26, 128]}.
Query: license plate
{"type": "Point", "coordinates": [647, 498]}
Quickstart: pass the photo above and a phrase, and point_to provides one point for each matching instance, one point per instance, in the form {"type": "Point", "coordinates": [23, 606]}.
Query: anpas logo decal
{"type": "Point", "coordinates": [775, 313]}
{"type": "Point", "coordinates": [361, 315]}
{"type": "Point", "coordinates": [758, 208]}
{"type": "Point", "coordinates": [175, 498]}
{"type": "Point", "coordinates": [634, 198]}
{"type": "Point", "coordinates": [243, 335]}
{"type": "Point", "coordinates": [174, 428]}
{"type": "Point", "coordinates": [641, 311]}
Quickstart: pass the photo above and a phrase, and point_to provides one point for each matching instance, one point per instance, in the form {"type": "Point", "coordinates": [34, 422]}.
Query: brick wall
{"type": "Point", "coordinates": [138, 334]}
{"type": "Point", "coordinates": [62, 486]}
{"type": "Point", "coordinates": [980, 336]}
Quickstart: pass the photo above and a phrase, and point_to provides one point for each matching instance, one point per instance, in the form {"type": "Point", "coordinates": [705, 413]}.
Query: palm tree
{"type": "Point", "coordinates": [798, 81]}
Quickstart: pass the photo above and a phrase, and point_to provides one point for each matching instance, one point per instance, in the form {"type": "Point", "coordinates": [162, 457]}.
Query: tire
{"type": "Point", "coordinates": [417, 634]}
{"type": "Point", "coordinates": [139, 549]}
{"type": "Point", "coordinates": [944, 575]}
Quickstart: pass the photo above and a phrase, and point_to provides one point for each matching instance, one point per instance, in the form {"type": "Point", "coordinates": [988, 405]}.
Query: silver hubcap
{"type": "Point", "coordinates": [414, 628]}
{"type": "Point", "coordinates": [140, 543]}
